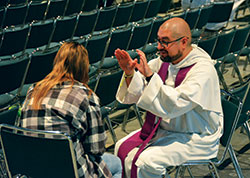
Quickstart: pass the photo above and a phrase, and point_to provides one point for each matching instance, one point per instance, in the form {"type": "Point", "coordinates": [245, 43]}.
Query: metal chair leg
{"type": "Point", "coordinates": [235, 162]}
{"type": "Point", "coordinates": [247, 128]}
{"type": "Point", "coordinates": [180, 171]}
{"type": "Point", "coordinates": [213, 170]}
{"type": "Point", "coordinates": [125, 120]}
{"type": "Point", "coordinates": [138, 115]}
{"type": "Point", "coordinates": [111, 129]}
{"type": "Point", "coordinates": [190, 172]}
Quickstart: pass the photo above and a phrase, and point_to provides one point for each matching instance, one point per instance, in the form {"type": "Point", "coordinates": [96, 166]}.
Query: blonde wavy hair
{"type": "Point", "coordinates": [70, 64]}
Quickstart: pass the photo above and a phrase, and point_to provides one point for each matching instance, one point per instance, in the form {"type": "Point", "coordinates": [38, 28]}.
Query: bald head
{"type": "Point", "coordinates": [177, 27]}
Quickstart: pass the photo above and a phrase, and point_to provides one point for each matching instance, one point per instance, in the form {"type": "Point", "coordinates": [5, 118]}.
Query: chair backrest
{"type": "Point", "coordinates": [208, 43]}
{"type": "Point", "coordinates": [85, 23]}
{"type": "Point", "coordinates": [9, 116]}
{"type": "Point", "coordinates": [39, 154]}
{"type": "Point", "coordinates": [55, 8]}
{"type": "Point", "coordinates": [153, 8]}
{"type": "Point", "coordinates": [204, 15]}
{"type": "Point", "coordinates": [123, 13]}
{"type": "Point", "coordinates": [240, 38]}
{"type": "Point", "coordinates": [192, 16]}
{"type": "Point", "coordinates": [139, 10]}
{"type": "Point", "coordinates": [218, 15]}
{"type": "Point", "coordinates": [180, 13]}
{"type": "Point", "coordinates": [105, 18]}
{"type": "Point", "coordinates": [73, 7]}
{"type": "Point", "coordinates": [157, 22]}
{"type": "Point", "coordinates": [2, 15]}
{"type": "Point", "coordinates": [90, 5]}
{"type": "Point", "coordinates": [15, 15]}
{"type": "Point", "coordinates": [104, 91]}
{"type": "Point", "coordinates": [12, 73]}
{"type": "Point", "coordinates": [96, 42]}
{"type": "Point", "coordinates": [15, 2]}
{"type": "Point", "coordinates": [243, 92]}
{"type": "Point", "coordinates": [165, 6]}
{"type": "Point", "coordinates": [36, 11]}
{"type": "Point", "coordinates": [64, 28]}
{"type": "Point", "coordinates": [140, 35]}
{"type": "Point", "coordinates": [119, 39]}
{"type": "Point", "coordinates": [223, 43]}
{"type": "Point", "coordinates": [41, 64]}
{"type": "Point", "coordinates": [40, 33]}
{"type": "Point", "coordinates": [231, 114]}
{"type": "Point", "coordinates": [14, 40]}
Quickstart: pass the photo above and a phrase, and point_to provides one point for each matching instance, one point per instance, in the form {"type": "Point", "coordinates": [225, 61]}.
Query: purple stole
{"type": "Point", "coordinates": [142, 137]}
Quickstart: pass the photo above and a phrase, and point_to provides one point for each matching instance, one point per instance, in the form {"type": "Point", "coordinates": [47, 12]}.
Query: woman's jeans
{"type": "Point", "coordinates": [114, 164]}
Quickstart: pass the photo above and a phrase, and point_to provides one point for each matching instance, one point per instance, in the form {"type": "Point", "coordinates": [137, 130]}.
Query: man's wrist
{"type": "Point", "coordinates": [149, 77]}
{"type": "Point", "coordinates": [128, 76]}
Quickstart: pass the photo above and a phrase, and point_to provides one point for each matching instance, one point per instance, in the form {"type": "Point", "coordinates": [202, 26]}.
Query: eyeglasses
{"type": "Point", "coordinates": [166, 43]}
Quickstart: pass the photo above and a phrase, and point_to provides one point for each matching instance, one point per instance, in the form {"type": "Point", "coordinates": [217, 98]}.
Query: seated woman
{"type": "Point", "coordinates": [62, 101]}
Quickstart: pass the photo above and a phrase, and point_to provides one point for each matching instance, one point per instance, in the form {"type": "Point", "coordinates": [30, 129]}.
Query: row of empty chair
{"type": "Point", "coordinates": [41, 33]}
{"type": "Point", "coordinates": [41, 10]}
{"type": "Point", "coordinates": [26, 13]}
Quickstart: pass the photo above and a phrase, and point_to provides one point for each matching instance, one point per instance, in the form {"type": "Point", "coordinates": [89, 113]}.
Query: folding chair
{"type": "Point", "coordinates": [139, 10]}
{"type": "Point", "coordinates": [192, 17]}
{"type": "Point", "coordinates": [165, 6]}
{"type": "Point", "coordinates": [109, 104]}
{"type": "Point", "coordinates": [9, 116]}
{"type": "Point", "coordinates": [15, 2]}
{"type": "Point", "coordinates": [178, 13]}
{"type": "Point", "coordinates": [12, 75]}
{"type": "Point", "coordinates": [14, 40]}
{"type": "Point", "coordinates": [123, 14]}
{"type": "Point", "coordinates": [239, 40]}
{"type": "Point", "coordinates": [64, 28]}
{"type": "Point", "coordinates": [90, 5]}
{"type": "Point", "coordinates": [231, 116]}
{"type": "Point", "coordinates": [55, 8]}
{"type": "Point", "coordinates": [153, 8]}
{"type": "Point", "coordinates": [34, 153]}
{"type": "Point", "coordinates": [105, 19]}
{"type": "Point", "coordinates": [15, 15]}
{"type": "Point", "coordinates": [243, 92]}
{"type": "Point", "coordinates": [202, 20]}
{"type": "Point", "coordinates": [40, 33]}
{"type": "Point", "coordinates": [220, 16]}
{"type": "Point", "coordinates": [73, 7]}
{"type": "Point", "coordinates": [41, 64]}
{"type": "Point", "coordinates": [94, 43]}
{"type": "Point", "coordinates": [119, 38]}
{"type": "Point", "coordinates": [84, 18]}
{"type": "Point", "coordinates": [246, 52]}
{"type": "Point", "coordinates": [2, 15]}
{"type": "Point", "coordinates": [222, 48]}
{"type": "Point", "coordinates": [208, 43]}
{"type": "Point", "coordinates": [139, 37]}
{"type": "Point", "coordinates": [36, 11]}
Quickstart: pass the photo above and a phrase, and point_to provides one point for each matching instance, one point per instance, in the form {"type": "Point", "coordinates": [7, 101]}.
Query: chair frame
{"type": "Point", "coordinates": [228, 148]}
{"type": "Point", "coordinates": [48, 135]}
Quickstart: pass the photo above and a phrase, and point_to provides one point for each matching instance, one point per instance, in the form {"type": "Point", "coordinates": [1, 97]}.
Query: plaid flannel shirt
{"type": "Point", "coordinates": [70, 110]}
